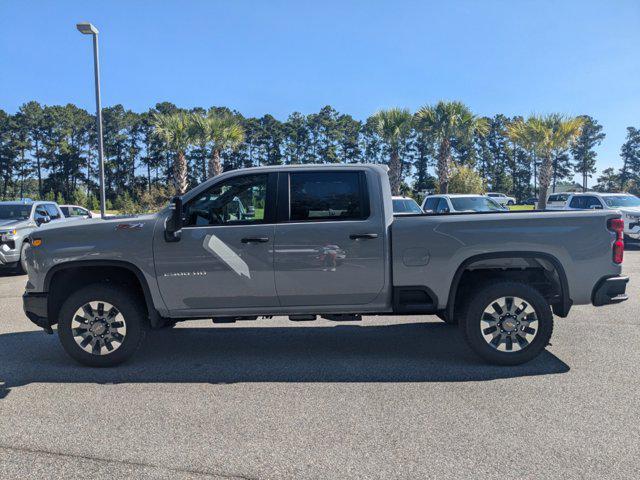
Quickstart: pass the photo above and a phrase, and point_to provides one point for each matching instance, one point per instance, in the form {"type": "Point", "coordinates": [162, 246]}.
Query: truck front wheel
{"type": "Point", "coordinates": [507, 323]}
{"type": "Point", "coordinates": [101, 325]}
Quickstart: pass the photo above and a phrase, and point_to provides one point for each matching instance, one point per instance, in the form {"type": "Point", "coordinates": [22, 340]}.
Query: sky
{"type": "Point", "coordinates": [514, 57]}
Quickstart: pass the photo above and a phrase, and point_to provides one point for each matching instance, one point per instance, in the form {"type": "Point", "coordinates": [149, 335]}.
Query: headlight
{"type": "Point", "coordinates": [8, 234]}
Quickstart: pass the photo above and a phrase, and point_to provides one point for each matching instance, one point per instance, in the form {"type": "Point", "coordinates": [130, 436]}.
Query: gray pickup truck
{"type": "Point", "coordinates": [17, 220]}
{"type": "Point", "coordinates": [316, 240]}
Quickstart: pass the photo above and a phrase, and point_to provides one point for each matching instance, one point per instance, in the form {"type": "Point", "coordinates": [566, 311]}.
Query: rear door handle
{"type": "Point", "coordinates": [255, 240]}
{"type": "Point", "coordinates": [358, 236]}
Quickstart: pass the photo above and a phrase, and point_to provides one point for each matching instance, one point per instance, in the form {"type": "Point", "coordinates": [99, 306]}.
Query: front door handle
{"type": "Point", "coordinates": [255, 240]}
{"type": "Point", "coordinates": [358, 236]}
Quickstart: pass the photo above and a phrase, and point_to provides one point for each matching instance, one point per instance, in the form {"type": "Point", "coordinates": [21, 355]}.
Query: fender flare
{"type": "Point", "coordinates": [154, 316]}
{"type": "Point", "coordinates": [561, 309]}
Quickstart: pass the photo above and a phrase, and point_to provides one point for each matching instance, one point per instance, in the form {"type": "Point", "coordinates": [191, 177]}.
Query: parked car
{"type": "Point", "coordinates": [627, 204]}
{"type": "Point", "coordinates": [17, 220]}
{"type": "Point", "coordinates": [558, 201]}
{"type": "Point", "coordinates": [456, 202]}
{"type": "Point", "coordinates": [530, 201]}
{"type": "Point", "coordinates": [501, 198]}
{"type": "Point", "coordinates": [405, 206]}
{"type": "Point", "coordinates": [500, 275]}
{"type": "Point", "coordinates": [75, 211]}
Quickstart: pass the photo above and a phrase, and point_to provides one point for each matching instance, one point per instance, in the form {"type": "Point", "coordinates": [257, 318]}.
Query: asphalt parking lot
{"type": "Point", "coordinates": [388, 397]}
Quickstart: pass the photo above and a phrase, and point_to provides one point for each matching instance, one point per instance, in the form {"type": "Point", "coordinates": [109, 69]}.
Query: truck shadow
{"type": "Point", "coordinates": [416, 352]}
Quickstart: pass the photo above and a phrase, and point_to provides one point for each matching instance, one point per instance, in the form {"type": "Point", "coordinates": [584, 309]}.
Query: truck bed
{"type": "Point", "coordinates": [430, 249]}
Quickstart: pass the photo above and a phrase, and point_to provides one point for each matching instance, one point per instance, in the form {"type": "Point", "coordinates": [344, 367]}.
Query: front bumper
{"type": "Point", "coordinates": [610, 290]}
{"type": "Point", "coordinates": [8, 256]}
{"type": "Point", "coordinates": [35, 306]}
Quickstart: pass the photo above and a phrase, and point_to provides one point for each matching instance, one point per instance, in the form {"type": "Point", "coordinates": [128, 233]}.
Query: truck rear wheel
{"type": "Point", "coordinates": [507, 323]}
{"type": "Point", "coordinates": [101, 325]}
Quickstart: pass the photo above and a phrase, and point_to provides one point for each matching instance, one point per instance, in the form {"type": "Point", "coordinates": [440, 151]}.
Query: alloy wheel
{"type": "Point", "coordinates": [509, 324]}
{"type": "Point", "coordinates": [99, 328]}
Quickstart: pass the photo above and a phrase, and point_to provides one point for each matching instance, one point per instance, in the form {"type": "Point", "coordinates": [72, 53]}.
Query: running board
{"type": "Point", "coordinates": [232, 319]}
{"type": "Point", "coordinates": [343, 317]}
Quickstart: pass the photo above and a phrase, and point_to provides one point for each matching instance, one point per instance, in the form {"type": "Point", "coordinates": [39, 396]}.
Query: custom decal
{"type": "Point", "coordinates": [214, 245]}
{"type": "Point", "coordinates": [129, 226]}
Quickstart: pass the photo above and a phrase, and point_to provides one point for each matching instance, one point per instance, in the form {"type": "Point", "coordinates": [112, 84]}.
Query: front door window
{"type": "Point", "coordinates": [237, 201]}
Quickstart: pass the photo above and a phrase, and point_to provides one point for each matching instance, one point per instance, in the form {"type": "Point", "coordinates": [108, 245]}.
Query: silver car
{"type": "Point", "coordinates": [456, 202]}
{"type": "Point", "coordinates": [405, 206]}
{"type": "Point", "coordinates": [17, 220]}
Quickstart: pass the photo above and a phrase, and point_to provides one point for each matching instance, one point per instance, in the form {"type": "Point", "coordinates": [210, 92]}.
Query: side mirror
{"type": "Point", "coordinates": [173, 224]}
{"type": "Point", "coordinates": [596, 207]}
{"type": "Point", "coordinates": [42, 218]}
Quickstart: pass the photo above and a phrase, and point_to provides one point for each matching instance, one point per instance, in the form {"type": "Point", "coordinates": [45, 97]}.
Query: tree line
{"type": "Point", "coordinates": [49, 151]}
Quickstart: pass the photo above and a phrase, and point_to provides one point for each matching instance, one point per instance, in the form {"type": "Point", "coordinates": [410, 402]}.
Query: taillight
{"type": "Point", "coordinates": [617, 225]}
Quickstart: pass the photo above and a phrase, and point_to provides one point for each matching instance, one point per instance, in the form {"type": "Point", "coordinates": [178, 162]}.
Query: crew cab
{"type": "Point", "coordinates": [318, 240]}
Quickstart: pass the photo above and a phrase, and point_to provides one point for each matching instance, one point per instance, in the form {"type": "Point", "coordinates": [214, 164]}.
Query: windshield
{"type": "Point", "coordinates": [15, 212]}
{"type": "Point", "coordinates": [615, 201]}
{"type": "Point", "coordinates": [406, 205]}
{"type": "Point", "coordinates": [476, 204]}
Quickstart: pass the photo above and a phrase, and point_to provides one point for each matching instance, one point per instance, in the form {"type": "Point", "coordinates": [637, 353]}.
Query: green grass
{"type": "Point", "coordinates": [520, 207]}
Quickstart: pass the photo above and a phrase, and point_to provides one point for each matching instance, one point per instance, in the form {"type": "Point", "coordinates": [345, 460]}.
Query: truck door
{"type": "Point", "coordinates": [330, 241]}
{"type": "Point", "coordinates": [224, 258]}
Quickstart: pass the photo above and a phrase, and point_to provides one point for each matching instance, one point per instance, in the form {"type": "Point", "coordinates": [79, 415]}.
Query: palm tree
{"type": "Point", "coordinates": [545, 136]}
{"type": "Point", "coordinates": [394, 127]}
{"type": "Point", "coordinates": [220, 131]}
{"type": "Point", "coordinates": [447, 122]}
{"type": "Point", "coordinates": [174, 129]}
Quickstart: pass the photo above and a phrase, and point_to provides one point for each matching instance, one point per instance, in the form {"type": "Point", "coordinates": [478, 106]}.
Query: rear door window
{"type": "Point", "coordinates": [431, 203]}
{"type": "Point", "coordinates": [315, 196]}
{"type": "Point", "coordinates": [443, 206]}
{"type": "Point", "coordinates": [592, 201]}
{"type": "Point", "coordinates": [577, 202]}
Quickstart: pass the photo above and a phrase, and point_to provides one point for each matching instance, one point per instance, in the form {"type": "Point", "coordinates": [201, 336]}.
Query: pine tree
{"type": "Point", "coordinates": [583, 153]}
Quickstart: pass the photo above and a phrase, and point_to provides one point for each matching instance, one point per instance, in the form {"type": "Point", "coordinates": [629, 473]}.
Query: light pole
{"type": "Point", "coordinates": [88, 29]}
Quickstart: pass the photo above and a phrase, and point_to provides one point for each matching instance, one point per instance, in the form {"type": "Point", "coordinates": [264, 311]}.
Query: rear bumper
{"type": "Point", "coordinates": [35, 307]}
{"type": "Point", "coordinates": [610, 290]}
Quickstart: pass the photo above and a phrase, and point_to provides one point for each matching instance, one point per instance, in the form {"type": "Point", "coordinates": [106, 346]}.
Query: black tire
{"type": "Point", "coordinates": [21, 267]}
{"type": "Point", "coordinates": [471, 323]}
{"type": "Point", "coordinates": [510, 203]}
{"type": "Point", "coordinates": [129, 306]}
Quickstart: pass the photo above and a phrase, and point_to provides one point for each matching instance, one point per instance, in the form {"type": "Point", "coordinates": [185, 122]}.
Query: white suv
{"type": "Point", "coordinates": [501, 198]}
{"type": "Point", "coordinates": [627, 204]}
{"type": "Point", "coordinates": [558, 201]}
